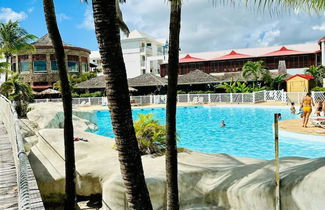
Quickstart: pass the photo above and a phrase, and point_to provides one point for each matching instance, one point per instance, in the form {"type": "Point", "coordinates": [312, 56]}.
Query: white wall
{"type": "Point", "coordinates": [132, 64]}
{"type": "Point", "coordinates": [323, 52]}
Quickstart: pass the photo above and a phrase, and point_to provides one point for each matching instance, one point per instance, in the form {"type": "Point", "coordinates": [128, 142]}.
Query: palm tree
{"type": "Point", "coordinates": [14, 39]}
{"type": "Point", "coordinates": [19, 92]}
{"type": "Point", "coordinates": [318, 72]}
{"type": "Point", "coordinates": [173, 62]}
{"type": "Point", "coordinates": [253, 70]}
{"type": "Point", "coordinates": [70, 186]}
{"type": "Point", "coordinates": [277, 81]}
{"type": "Point", "coordinates": [107, 26]}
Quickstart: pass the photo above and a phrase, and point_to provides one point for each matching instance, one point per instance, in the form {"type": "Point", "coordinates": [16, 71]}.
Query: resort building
{"type": "Point", "coordinates": [39, 68]}
{"type": "Point", "coordinates": [142, 54]}
{"type": "Point", "coordinates": [295, 59]}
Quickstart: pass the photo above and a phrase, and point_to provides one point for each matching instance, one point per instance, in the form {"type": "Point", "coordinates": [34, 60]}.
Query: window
{"type": "Point", "coordinates": [143, 71]}
{"type": "Point", "coordinates": [24, 66]}
{"type": "Point", "coordinates": [39, 66]}
{"type": "Point", "coordinates": [54, 66]}
{"type": "Point", "coordinates": [148, 44]}
{"type": "Point", "coordinates": [73, 66]}
{"type": "Point", "coordinates": [84, 67]}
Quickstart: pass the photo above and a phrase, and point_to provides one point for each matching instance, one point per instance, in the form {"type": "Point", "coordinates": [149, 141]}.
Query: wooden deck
{"type": "Point", "coordinates": [8, 176]}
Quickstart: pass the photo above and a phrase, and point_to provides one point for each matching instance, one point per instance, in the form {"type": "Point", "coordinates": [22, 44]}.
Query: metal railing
{"type": "Point", "coordinates": [255, 97]}
{"type": "Point", "coordinates": [11, 122]}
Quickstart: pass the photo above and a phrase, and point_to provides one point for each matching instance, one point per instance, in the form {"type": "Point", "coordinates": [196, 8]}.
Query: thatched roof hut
{"type": "Point", "coordinates": [196, 77]}
{"type": "Point", "coordinates": [147, 80]}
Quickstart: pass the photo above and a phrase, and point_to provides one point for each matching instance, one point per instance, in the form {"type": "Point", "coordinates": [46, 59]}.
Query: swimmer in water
{"type": "Point", "coordinates": [222, 124]}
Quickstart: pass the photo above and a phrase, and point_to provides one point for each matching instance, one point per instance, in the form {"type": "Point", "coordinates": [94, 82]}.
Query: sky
{"type": "Point", "coordinates": [204, 26]}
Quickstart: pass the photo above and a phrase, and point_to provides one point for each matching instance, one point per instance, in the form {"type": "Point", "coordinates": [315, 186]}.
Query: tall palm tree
{"type": "Point", "coordinates": [14, 39]}
{"type": "Point", "coordinates": [70, 186]}
{"type": "Point", "coordinates": [318, 72]}
{"type": "Point", "coordinates": [173, 62]}
{"type": "Point", "coordinates": [253, 69]}
{"type": "Point", "coordinates": [107, 27]}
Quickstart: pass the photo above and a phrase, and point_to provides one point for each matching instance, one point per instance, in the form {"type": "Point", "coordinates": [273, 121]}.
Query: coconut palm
{"type": "Point", "coordinates": [19, 92]}
{"type": "Point", "coordinates": [13, 40]}
{"type": "Point", "coordinates": [318, 72]}
{"type": "Point", "coordinates": [253, 69]}
{"type": "Point", "coordinates": [173, 63]}
{"type": "Point", "coordinates": [107, 27]}
{"type": "Point", "coordinates": [70, 186]}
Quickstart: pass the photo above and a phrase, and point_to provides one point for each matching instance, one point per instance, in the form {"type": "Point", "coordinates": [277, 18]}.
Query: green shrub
{"type": "Point", "coordinates": [181, 92]}
{"type": "Point", "coordinates": [75, 95]}
{"type": "Point", "coordinates": [151, 135]}
{"type": "Point", "coordinates": [318, 89]}
{"type": "Point", "coordinates": [94, 94]}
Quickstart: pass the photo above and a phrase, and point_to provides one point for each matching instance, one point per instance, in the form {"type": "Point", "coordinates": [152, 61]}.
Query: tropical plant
{"type": "Point", "coordinates": [19, 92]}
{"type": "Point", "coordinates": [277, 81]}
{"type": "Point", "coordinates": [318, 72]}
{"type": "Point", "coordinates": [4, 67]}
{"type": "Point", "coordinates": [317, 88]}
{"type": "Point", "coordinates": [238, 87]}
{"type": "Point", "coordinates": [13, 40]}
{"type": "Point", "coordinates": [72, 82]}
{"type": "Point", "coordinates": [108, 18]}
{"type": "Point", "coordinates": [151, 135]}
{"type": "Point", "coordinates": [70, 168]}
{"type": "Point", "coordinates": [253, 70]}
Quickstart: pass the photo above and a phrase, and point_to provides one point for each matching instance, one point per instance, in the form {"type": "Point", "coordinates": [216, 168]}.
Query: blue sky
{"type": "Point", "coordinates": [204, 27]}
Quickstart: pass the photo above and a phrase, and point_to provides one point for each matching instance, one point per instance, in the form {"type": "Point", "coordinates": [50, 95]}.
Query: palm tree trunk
{"type": "Point", "coordinates": [7, 61]}
{"type": "Point", "coordinates": [70, 186]}
{"type": "Point", "coordinates": [173, 62]}
{"type": "Point", "coordinates": [108, 36]}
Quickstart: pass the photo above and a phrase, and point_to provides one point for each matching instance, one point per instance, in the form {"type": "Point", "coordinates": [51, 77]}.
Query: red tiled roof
{"type": "Point", "coordinates": [232, 55]}
{"type": "Point", "coordinates": [283, 51]}
{"type": "Point", "coordinates": [305, 76]}
{"type": "Point", "coordinates": [189, 58]}
{"type": "Point", "coordinates": [41, 87]}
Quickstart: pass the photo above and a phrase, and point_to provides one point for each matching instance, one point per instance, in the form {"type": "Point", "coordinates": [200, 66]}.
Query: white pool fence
{"type": "Point", "coordinates": [256, 97]}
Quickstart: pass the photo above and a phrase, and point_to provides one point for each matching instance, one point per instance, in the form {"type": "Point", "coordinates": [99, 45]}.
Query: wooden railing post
{"type": "Point", "coordinates": [276, 162]}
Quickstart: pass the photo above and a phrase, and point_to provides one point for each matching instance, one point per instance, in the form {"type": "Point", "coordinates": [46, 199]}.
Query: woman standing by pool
{"type": "Point", "coordinates": [307, 103]}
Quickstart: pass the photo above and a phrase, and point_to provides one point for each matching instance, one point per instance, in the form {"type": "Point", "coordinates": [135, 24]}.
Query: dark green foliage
{"type": "Point", "coordinates": [18, 92]}
{"type": "Point", "coordinates": [151, 135]}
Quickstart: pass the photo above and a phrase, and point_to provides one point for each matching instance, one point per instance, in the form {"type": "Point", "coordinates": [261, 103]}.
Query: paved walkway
{"type": "Point", "coordinates": [8, 177]}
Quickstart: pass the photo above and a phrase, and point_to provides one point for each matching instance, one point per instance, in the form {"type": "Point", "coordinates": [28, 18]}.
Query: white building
{"type": "Point", "coordinates": [142, 54]}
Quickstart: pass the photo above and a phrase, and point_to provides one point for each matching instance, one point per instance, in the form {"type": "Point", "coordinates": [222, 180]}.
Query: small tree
{"type": "Point", "coordinates": [253, 70]}
{"type": "Point", "coordinates": [318, 72]}
{"type": "Point", "coordinates": [151, 135]}
{"type": "Point", "coordinates": [19, 92]}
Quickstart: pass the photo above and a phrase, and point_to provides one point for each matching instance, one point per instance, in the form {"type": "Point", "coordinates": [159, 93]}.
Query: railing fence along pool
{"type": "Point", "coordinates": [29, 195]}
{"type": "Point", "coordinates": [255, 97]}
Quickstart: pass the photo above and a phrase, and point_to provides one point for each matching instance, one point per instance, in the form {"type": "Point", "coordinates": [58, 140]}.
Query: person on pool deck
{"type": "Point", "coordinates": [293, 109]}
{"type": "Point", "coordinates": [319, 107]}
{"type": "Point", "coordinates": [307, 103]}
{"type": "Point", "coordinates": [222, 124]}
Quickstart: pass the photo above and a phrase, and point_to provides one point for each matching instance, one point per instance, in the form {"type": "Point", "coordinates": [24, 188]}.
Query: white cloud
{"type": "Point", "coordinates": [7, 14]}
{"type": "Point", "coordinates": [319, 27]}
{"type": "Point", "coordinates": [88, 21]}
{"type": "Point", "coordinates": [61, 17]}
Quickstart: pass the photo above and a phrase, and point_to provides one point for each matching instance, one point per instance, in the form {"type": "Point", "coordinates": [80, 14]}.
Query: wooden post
{"type": "Point", "coordinates": [276, 162]}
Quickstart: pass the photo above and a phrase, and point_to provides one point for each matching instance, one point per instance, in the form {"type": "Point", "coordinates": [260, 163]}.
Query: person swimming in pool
{"type": "Point", "coordinates": [222, 124]}
{"type": "Point", "coordinates": [307, 103]}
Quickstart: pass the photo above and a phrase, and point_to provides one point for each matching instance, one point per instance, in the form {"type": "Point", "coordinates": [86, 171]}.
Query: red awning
{"type": "Point", "coordinates": [305, 76]}
{"type": "Point", "coordinates": [189, 58]}
{"type": "Point", "coordinates": [41, 87]}
{"type": "Point", "coordinates": [283, 51]}
{"type": "Point", "coordinates": [232, 55]}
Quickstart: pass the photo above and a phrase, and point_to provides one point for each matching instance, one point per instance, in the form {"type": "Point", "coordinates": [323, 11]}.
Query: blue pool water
{"type": "Point", "coordinates": [248, 131]}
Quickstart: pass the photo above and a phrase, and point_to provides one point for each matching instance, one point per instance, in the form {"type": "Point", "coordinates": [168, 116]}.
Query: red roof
{"type": "Point", "coordinates": [189, 58]}
{"type": "Point", "coordinates": [232, 55]}
{"type": "Point", "coordinates": [41, 87]}
{"type": "Point", "coordinates": [305, 76]}
{"type": "Point", "coordinates": [283, 51]}
{"type": "Point", "coordinates": [321, 40]}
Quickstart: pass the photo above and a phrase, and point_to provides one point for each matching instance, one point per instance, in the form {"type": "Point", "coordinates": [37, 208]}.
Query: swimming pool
{"type": "Point", "coordinates": [248, 131]}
